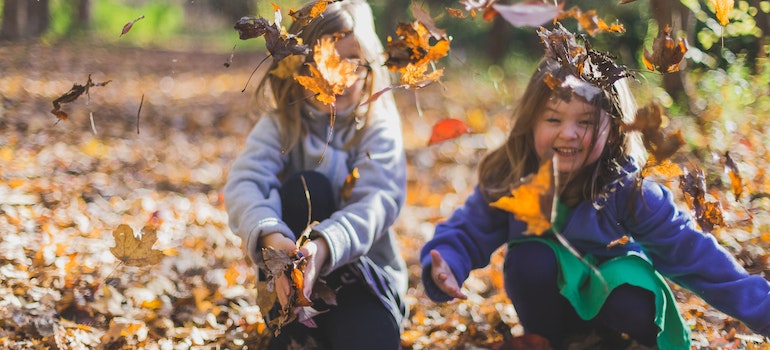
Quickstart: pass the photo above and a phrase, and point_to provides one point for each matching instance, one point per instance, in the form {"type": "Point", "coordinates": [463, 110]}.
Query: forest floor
{"type": "Point", "coordinates": [155, 144]}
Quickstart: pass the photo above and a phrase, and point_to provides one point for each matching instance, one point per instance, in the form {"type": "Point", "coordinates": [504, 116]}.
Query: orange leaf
{"type": "Point", "coordinates": [532, 200]}
{"type": "Point", "coordinates": [330, 75]}
{"type": "Point", "coordinates": [135, 252]}
{"type": "Point", "coordinates": [299, 280]}
{"type": "Point", "coordinates": [412, 46]}
{"type": "Point", "coordinates": [649, 121]}
{"type": "Point", "coordinates": [447, 129]}
{"type": "Point", "coordinates": [591, 22]}
{"type": "Point", "coordinates": [735, 175]}
{"type": "Point", "coordinates": [722, 9]}
{"type": "Point", "coordinates": [350, 182]}
{"type": "Point", "coordinates": [308, 13]}
{"type": "Point", "coordinates": [620, 241]}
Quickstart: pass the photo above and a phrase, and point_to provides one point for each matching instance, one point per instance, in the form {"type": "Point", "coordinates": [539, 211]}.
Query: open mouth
{"type": "Point", "coordinates": [566, 151]}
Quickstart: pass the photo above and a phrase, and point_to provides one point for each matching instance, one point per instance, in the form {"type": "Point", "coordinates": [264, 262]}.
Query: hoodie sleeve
{"type": "Point", "coordinates": [375, 200]}
{"type": "Point", "coordinates": [466, 241]}
{"type": "Point", "coordinates": [251, 192]}
{"type": "Point", "coordinates": [695, 260]}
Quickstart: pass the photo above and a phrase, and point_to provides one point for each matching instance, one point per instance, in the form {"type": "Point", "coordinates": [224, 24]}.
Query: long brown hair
{"type": "Point", "coordinates": [505, 166]}
{"type": "Point", "coordinates": [283, 98]}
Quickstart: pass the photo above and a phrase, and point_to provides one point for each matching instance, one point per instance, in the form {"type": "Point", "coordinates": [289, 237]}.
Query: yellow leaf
{"type": "Point", "coordinates": [132, 251]}
{"type": "Point", "coordinates": [288, 66]}
{"type": "Point", "coordinates": [531, 201]}
{"type": "Point", "coordinates": [350, 182]}
{"type": "Point", "coordinates": [330, 75]}
{"type": "Point", "coordinates": [722, 9]}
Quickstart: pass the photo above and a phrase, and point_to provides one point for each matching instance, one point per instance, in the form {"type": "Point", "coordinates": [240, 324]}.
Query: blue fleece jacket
{"type": "Point", "coordinates": [656, 226]}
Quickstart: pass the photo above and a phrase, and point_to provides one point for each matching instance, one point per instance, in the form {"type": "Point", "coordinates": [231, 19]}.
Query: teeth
{"type": "Point", "coordinates": [567, 151]}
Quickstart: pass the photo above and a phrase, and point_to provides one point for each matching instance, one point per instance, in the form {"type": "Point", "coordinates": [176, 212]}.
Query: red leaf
{"type": "Point", "coordinates": [447, 129]}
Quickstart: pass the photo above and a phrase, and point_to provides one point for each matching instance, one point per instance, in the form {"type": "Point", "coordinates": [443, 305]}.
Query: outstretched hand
{"type": "Point", "coordinates": [316, 251]}
{"type": "Point", "coordinates": [443, 276]}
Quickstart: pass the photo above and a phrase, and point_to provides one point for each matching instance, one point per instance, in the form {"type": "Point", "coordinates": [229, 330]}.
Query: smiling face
{"type": "Point", "coordinates": [566, 130]}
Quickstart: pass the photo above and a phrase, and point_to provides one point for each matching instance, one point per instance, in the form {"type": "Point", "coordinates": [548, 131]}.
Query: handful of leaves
{"type": "Point", "coordinates": [292, 266]}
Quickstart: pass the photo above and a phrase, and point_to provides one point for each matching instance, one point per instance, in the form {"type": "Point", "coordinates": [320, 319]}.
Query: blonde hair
{"type": "Point", "coordinates": [283, 98]}
{"type": "Point", "coordinates": [504, 167]}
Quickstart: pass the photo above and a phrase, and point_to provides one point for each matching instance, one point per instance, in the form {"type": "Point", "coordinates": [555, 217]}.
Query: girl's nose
{"type": "Point", "coordinates": [569, 131]}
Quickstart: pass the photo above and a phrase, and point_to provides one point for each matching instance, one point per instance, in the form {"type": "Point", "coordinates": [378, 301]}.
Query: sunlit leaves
{"type": "Point", "coordinates": [134, 251]}
{"type": "Point", "coordinates": [447, 129]}
{"type": "Point", "coordinates": [722, 9]}
{"type": "Point", "coordinates": [330, 75]}
{"type": "Point", "coordinates": [307, 14]}
{"type": "Point", "coordinates": [735, 175]}
{"type": "Point", "coordinates": [532, 200]}
{"type": "Point", "coordinates": [76, 91]}
{"type": "Point", "coordinates": [590, 21]}
{"type": "Point", "coordinates": [666, 52]}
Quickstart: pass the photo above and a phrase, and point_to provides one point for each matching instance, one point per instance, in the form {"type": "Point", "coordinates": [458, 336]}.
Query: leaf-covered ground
{"type": "Point", "coordinates": [65, 186]}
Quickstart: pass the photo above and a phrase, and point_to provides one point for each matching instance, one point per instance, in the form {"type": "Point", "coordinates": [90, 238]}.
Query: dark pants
{"type": "Point", "coordinates": [359, 320]}
{"type": "Point", "coordinates": [531, 272]}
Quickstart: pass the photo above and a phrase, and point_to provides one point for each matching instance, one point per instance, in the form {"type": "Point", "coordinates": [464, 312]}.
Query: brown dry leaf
{"type": "Point", "coordinates": [307, 14]}
{"type": "Point", "coordinates": [350, 182]}
{"type": "Point", "coordinates": [412, 46]}
{"type": "Point", "coordinates": [532, 200]}
{"type": "Point", "coordinates": [330, 75]}
{"type": "Point", "coordinates": [455, 12]}
{"type": "Point", "coordinates": [620, 241]}
{"type": "Point", "coordinates": [422, 16]}
{"type": "Point", "coordinates": [135, 252]}
{"type": "Point", "coordinates": [649, 121]}
{"type": "Point", "coordinates": [666, 52]}
{"type": "Point", "coordinates": [735, 175]}
{"type": "Point", "coordinates": [590, 21]}
{"type": "Point", "coordinates": [76, 91]}
{"type": "Point", "coordinates": [277, 42]}
{"type": "Point", "coordinates": [130, 25]}
{"type": "Point", "coordinates": [707, 214]}
{"type": "Point", "coordinates": [722, 9]}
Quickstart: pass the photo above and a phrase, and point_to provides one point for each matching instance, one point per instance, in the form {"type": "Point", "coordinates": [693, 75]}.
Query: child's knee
{"type": "Point", "coordinates": [533, 263]}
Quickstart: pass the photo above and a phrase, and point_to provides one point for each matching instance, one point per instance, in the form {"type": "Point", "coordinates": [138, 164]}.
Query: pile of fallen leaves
{"type": "Point", "coordinates": [73, 191]}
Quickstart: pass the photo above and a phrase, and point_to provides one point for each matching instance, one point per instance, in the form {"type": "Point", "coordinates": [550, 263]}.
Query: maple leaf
{"type": "Point", "coordinates": [129, 25]}
{"type": "Point", "coordinates": [447, 129]}
{"type": "Point", "coordinates": [133, 251]}
{"type": "Point", "coordinates": [590, 21]}
{"type": "Point", "coordinates": [528, 13]}
{"type": "Point", "coordinates": [722, 9]}
{"type": "Point", "coordinates": [330, 75]}
{"type": "Point", "coordinates": [73, 94]}
{"type": "Point", "coordinates": [735, 175]}
{"type": "Point", "coordinates": [532, 200]}
{"type": "Point", "coordinates": [412, 45]}
{"type": "Point", "coordinates": [666, 52]}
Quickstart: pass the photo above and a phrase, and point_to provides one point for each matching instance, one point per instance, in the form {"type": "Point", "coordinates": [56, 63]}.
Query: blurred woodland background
{"type": "Point", "coordinates": [152, 147]}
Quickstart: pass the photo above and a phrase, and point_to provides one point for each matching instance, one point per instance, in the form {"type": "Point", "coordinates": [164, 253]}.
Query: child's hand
{"type": "Point", "coordinates": [279, 242]}
{"type": "Point", "coordinates": [316, 251]}
{"type": "Point", "coordinates": [443, 277]}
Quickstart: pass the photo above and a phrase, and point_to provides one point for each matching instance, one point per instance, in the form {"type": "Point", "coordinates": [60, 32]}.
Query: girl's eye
{"type": "Point", "coordinates": [551, 119]}
{"type": "Point", "coordinates": [587, 122]}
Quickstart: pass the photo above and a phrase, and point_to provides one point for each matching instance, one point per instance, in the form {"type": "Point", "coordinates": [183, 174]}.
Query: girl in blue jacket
{"type": "Point", "coordinates": [352, 248]}
{"type": "Point", "coordinates": [577, 121]}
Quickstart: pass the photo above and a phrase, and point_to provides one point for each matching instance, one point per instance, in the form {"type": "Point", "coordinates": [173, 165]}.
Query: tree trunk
{"type": "Point", "coordinates": [14, 17]}
{"type": "Point", "coordinates": [763, 23]}
{"type": "Point", "coordinates": [38, 18]}
{"type": "Point", "coordinates": [83, 20]}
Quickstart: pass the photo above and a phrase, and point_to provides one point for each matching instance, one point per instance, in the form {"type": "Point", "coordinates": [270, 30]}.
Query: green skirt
{"type": "Point", "coordinates": [587, 291]}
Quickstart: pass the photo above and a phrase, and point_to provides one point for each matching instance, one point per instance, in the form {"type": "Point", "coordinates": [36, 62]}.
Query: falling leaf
{"type": "Point", "coordinates": [76, 91]}
{"type": "Point", "coordinates": [132, 251]}
{"type": "Point", "coordinates": [649, 121]}
{"type": "Point", "coordinates": [330, 75]}
{"type": "Point", "coordinates": [455, 12]}
{"type": "Point", "coordinates": [350, 183]}
{"type": "Point", "coordinates": [277, 42]}
{"type": "Point", "coordinates": [707, 214]}
{"type": "Point", "coordinates": [413, 45]}
{"type": "Point", "coordinates": [735, 175]}
{"type": "Point", "coordinates": [483, 6]}
{"type": "Point", "coordinates": [590, 21]}
{"type": "Point", "coordinates": [423, 17]}
{"type": "Point", "coordinates": [528, 13]}
{"type": "Point", "coordinates": [666, 52]}
{"type": "Point", "coordinates": [722, 9]}
{"type": "Point", "coordinates": [447, 129]}
{"type": "Point", "coordinates": [129, 25]}
{"type": "Point", "coordinates": [308, 13]}
{"type": "Point", "coordinates": [666, 169]}
{"type": "Point", "coordinates": [532, 200]}
{"type": "Point", "coordinates": [288, 67]}
{"type": "Point", "coordinates": [620, 241]}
